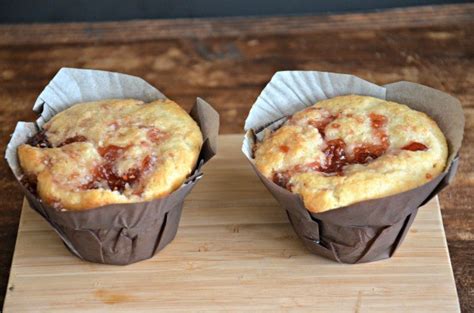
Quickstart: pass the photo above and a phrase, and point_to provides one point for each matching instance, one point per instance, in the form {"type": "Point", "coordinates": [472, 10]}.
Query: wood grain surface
{"type": "Point", "coordinates": [235, 251]}
{"type": "Point", "coordinates": [229, 61]}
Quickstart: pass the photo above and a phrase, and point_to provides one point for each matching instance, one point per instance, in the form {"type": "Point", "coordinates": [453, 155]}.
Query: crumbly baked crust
{"type": "Point", "coordinates": [111, 151]}
{"type": "Point", "coordinates": [352, 148]}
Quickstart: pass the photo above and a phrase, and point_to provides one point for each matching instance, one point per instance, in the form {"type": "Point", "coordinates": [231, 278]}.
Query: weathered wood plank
{"type": "Point", "coordinates": [133, 31]}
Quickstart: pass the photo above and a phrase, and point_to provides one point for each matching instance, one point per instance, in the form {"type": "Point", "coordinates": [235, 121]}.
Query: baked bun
{"type": "Point", "coordinates": [111, 151]}
{"type": "Point", "coordinates": [352, 148]}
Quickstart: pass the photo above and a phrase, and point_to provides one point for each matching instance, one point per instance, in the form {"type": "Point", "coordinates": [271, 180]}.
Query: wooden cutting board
{"type": "Point", "coordinates": [235, 251]}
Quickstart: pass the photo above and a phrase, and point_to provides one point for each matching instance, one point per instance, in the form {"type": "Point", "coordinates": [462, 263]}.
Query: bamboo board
{"type": "Point", "coordinates": [235, 251]}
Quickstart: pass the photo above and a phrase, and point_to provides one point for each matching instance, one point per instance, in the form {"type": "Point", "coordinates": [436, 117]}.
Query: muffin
{"type": "Point", "coordinates": [352, 148]}
{"type": "Point", "coordinates": [352, 162]}
{"type": "Point", "coordinates": [111, 151]}
{"type": "Point", "coordinates": [108, 173]}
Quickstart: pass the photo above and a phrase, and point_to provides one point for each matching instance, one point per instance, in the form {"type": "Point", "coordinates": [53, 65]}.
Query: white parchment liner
{"type": "Point", "coordinates": [368, 230]}
{"type": "Point", "coordinates": [116, 233]}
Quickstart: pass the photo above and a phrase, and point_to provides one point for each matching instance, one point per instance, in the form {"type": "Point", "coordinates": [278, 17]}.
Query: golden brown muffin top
{"type": "Point", "coordinates": [111, 151]}
{"type": "Point", "coordinates": [352, 148]}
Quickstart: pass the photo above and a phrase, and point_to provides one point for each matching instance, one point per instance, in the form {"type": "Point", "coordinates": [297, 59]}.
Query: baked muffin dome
{"type": "Point", "coordinates": [352, 148]}
{"type": "Point", "coordinates": [111, 151]}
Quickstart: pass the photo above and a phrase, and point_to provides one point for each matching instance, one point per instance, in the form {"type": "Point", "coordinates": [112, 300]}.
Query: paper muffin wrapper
{"type": "Point", "coordinates": [117, 233]}
{"type": "Point", "coordinates": [368, 230]}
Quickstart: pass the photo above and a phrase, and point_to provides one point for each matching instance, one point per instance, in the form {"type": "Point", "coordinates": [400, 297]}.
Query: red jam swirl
{"type": "Point", "coordinates": [40, 140]}
{"type": "Point", "coordinates": [282, 179]}
{"type": "Point", "coordinates": [321, 124]}
{"type": "Point", "coordinates": [155, 135]}
{"type": "Point", "coordinates": [284, 148]}
{"type": "Point", "coordinates": [415, 146]}
{"type": "Point", "coordinates": [105, 173]}
{"type": "Point", "coordinates": [335, 155]}
{"type": "Point", "coordinates": [78, 138]}
{"type": "Point", "coordinates": [368, 152]}
{"type": "Point", "coordinates": [111, 152]}
{"type": "Point", "coordinates": [377, 120]}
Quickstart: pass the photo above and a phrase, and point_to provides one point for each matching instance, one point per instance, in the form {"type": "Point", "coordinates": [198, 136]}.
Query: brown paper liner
{"type": "Point", "coordinates": [373, 230]}
{"type": "Point", "coordinates": [126, 233]}
{"type": "Point", "coordinates": [343, 236]}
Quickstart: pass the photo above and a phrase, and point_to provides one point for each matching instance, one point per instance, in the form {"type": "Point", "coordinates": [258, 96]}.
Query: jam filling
{"type": "Point", "coordinates": [368, 152]}
{"type": "Point", "coordinates": [284, 148]}
{"type": "Point", "coordinates": [336, 157]}
{"type": "Point", "coordinates": [282, 179]}
{"type": "Point", "coordinates": [321, 125]}
{"type": "Point", "coordinates": [335, 154]}
{"type": "Point", "coordinates": [111, 153]}
{"type": "Point", "coordinates": [336, 160]}
{"type": "Point", "coordinates": [40, 140]}
{"type": "Point", "coordinates": [106, 174]}
{"type": "Point", "coordinates": [70, 140]}
{"type": "Point", "coordinates": [415, 146]}
{"type": "Point", "coordinates": [377, 120]}
{"type": "Point", "coordinates": [155, 135]}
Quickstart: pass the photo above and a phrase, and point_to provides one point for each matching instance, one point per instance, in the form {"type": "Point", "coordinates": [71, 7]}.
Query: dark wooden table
{"type": "Point", "coordinates": [228, 62]}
